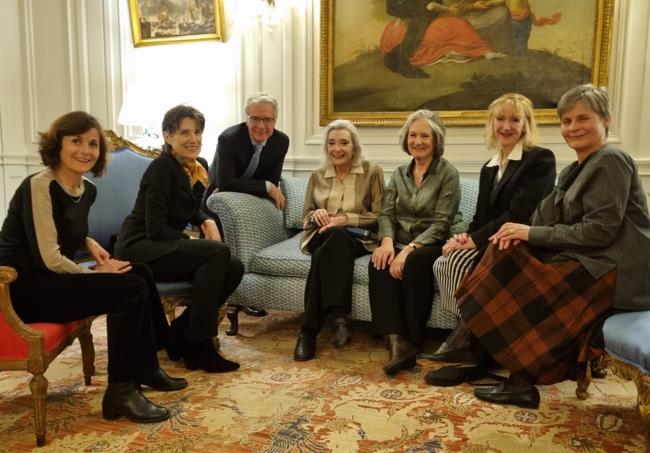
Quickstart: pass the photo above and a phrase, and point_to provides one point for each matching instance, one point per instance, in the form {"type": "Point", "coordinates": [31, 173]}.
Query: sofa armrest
{"type": "Point", "coordinates": [249, 223]}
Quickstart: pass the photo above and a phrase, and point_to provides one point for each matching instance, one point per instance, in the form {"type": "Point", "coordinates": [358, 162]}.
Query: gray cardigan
{"type": "Point", "coordinates": [601, 220]}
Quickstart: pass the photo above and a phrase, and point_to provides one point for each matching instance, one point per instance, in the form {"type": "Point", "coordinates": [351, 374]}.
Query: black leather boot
{"type": "Point", "coordinates": [340, 333]}
{"type": "Point", "coordinates": [161, 381]}
{"type": "Point", "coordinates": [305, 346]}
{"type": "Point", "coordinates": [124, 399]}
{"type": "Point", "coordinates": [402, 354]}
{"type": "Point", "coordinates": [202, 354]}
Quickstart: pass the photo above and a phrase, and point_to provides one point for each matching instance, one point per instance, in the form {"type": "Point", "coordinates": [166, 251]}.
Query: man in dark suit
{"type": "Point", "coordinates": [249, 159]}
{"type": "Point", "coordinates": [250, 155]}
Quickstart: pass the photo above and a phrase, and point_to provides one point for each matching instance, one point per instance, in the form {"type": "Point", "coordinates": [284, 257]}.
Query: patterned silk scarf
{"type": "Point", "coordinates": [193, 169]}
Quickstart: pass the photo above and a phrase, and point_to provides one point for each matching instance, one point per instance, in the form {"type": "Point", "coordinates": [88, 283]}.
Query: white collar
{"type": "Point", "coordinates": [516, 154]}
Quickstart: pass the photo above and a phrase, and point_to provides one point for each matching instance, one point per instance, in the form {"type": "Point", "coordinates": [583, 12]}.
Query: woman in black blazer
{"type": "Point", "coordinates": [169, 199]}
{"type": "Point", "coordinates": [511, 184]}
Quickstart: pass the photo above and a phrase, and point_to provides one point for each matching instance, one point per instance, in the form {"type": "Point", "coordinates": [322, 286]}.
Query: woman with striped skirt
{"type": "Point", "coordinates": [511, 184]}
{"type": "Point", "coordinates": [536, 301]}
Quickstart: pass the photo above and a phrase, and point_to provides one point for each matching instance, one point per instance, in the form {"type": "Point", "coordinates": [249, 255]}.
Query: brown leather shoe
{"type": "Point", "coordinates": [402, 354]}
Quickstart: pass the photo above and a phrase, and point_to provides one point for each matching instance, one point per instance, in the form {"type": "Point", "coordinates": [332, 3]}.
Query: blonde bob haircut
{"type": "Point", "coordinates": [437, 129]}
{"type": "Point", "coordinates": [521, 108]}
{"type": "Point", "coordinates": [357, 153]}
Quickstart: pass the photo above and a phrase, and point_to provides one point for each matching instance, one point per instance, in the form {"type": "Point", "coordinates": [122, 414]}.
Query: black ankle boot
{"type": "Point", "coordinates": [402, 354]}
{"type": "Point", "coordinates": [123, 399]}
{"type": "Point", "coordinates": [161, 381]}
{"type": "Point", "coordinates": [202, 354]}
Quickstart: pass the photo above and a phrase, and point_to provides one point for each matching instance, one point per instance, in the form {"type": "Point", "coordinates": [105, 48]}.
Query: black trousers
{"type": "Point", "coordinates": [329, 283]}
{"type": "Point", "coordinates": [135, 322]}
{"type": "Point", "coordinates": [214, 273]}
{"type": "Point", "coordinates": [403, 306]}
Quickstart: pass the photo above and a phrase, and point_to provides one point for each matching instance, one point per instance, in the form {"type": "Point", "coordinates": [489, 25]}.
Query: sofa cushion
{"type": "Point", "coordinates": [294, 190]}
{"type": "Point", "coordinates": [282, 259]}
{"type": "Point", "coordinates": [286, 260]}
{"type": "Point", "coordinates": [627, 338]}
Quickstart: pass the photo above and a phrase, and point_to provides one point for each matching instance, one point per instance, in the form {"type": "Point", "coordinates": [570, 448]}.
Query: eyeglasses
{"type": "Point", "coordinates": [257, 120]}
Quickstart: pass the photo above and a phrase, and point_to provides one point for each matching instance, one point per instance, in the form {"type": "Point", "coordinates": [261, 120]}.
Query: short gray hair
{"type": "Point", "coordinates": [437, 128]}
{"type": "Point", "coordinates": [357, 154]}
{"type": "Point", "coordinates": [594, 98]}
{"type": "Point", "coordinates": [262, 98]}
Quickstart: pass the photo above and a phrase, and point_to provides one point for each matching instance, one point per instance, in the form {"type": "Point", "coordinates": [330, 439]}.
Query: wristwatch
{"type": "Point", "coordinates": [412, 244]}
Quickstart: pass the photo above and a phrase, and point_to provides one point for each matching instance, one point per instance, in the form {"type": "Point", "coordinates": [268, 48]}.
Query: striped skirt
{"type": "Point", "coordinates": [449, 271]}
{"type": "Point", "coordinates": [535, 318]}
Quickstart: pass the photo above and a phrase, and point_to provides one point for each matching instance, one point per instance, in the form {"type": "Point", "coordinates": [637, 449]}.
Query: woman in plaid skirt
{"type": "Point", "coordinates": [537, 299]}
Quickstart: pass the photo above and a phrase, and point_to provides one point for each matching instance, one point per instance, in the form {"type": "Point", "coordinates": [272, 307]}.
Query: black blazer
{"type": "Point", "coordinates": [234, 152]}
{"type": "Point", "coordinates": [165, 205]}
{"type": "Point", "coordinates": [523, 185]}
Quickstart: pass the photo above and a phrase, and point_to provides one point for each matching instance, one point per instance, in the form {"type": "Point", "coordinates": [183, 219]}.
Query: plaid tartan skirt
{"type": "Point", "coordinates": [536, 319]}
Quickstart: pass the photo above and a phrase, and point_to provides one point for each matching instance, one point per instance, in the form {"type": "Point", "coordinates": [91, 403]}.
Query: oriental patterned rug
{"type": "Point", "coordinates": [339, 402]}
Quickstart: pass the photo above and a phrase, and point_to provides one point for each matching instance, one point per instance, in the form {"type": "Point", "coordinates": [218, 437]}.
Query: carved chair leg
{"type": "Point", "coordinates": [583, 379]}
{"type": "Point", "coordinates": [599, 367]}
{"type": "Point", "coordinates": [170, 309]}
{"type": "Point", "coordinates": [38, 387]}
{"type": "Point", "coordinates": [642, 382]}
{"type": "Point", "coordinates": [232, 312]}
{"type": "Point", "coordinates": [87, 353]}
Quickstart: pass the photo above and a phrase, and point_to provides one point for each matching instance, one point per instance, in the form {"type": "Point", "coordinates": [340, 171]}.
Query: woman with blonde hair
{"type": "Point", "coordinates": [536, 301]}
{"type": "Point", "coordinates": [511, 184]}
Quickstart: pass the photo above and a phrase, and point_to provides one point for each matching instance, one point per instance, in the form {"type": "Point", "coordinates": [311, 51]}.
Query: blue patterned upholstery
{"type": "Point", "coordinates": [294, 190]}
{"type": "Point", "coordinates": [276, 270]}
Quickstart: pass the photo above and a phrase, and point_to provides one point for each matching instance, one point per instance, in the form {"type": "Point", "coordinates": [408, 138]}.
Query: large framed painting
{"type": "Point", "coordinates": [381, 59]}
{"type": "Point", "coordinates": [174, 21]}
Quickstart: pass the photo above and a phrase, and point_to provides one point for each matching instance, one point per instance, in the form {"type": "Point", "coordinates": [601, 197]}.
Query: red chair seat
{"type": "Point", "coordinates": [12, 346]}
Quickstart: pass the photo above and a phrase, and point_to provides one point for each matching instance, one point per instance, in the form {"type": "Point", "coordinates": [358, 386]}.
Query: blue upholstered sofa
{"type": "Point", "coordinates": [116, 193]}
{"type": "Point", "coordinates": [266, 240]}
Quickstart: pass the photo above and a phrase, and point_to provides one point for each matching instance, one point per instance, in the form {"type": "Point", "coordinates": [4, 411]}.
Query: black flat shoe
{"type": "Point", "coordinates": [340, 333]}
{"type": "Point", "coordinates": [462, 355]}
{"type": "Point", "coordinates": [124, 399]}
{"type": "Point", "coordinates": [202, 354]}
{"type": "Point", "coordinates": [449, 376]}
{"type": "Point", "coordinates": [305, 347]}
{"type": "Point", "coordinates": [527, 397]}
{"type": "Point", "coordinates": [252, 311]}
{"type": "Point", "coordinates": [161, 381]}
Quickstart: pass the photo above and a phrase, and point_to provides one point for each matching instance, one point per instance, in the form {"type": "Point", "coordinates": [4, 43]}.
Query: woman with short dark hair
{"type": "Point", "coordinates": [46, 224]}
{"type": "Point", "coordinates": [169, 199]}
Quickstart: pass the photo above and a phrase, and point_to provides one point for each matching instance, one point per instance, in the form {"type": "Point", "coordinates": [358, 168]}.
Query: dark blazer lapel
{"type": "Point", "coordinates": [512, 167]}
{"type": "Point", "coordinates": [181, 175]}
{"type": "Point", "coordinates": [485, 188]}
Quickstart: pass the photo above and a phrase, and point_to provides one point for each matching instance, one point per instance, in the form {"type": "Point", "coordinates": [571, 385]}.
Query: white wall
{"type": "Point", "coordinates": [60, 55]}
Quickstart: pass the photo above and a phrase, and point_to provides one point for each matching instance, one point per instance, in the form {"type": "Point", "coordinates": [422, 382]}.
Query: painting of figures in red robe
{"type": "Point", "coordinates": [381, 59]}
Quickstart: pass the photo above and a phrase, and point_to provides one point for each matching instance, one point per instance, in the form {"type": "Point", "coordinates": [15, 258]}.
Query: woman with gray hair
{"type": "Point", "coordinates": [341, 207]}
{"type": "Point", "coordinates": [419, 207]}
{"type": "Point", "coordinates": [536, 301]}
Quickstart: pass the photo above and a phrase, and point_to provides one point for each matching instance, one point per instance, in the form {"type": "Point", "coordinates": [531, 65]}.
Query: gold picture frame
{"type": "Point", "coordinates": [176, 21]}
{"type": "Point", "coordinates": [569, 44]}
